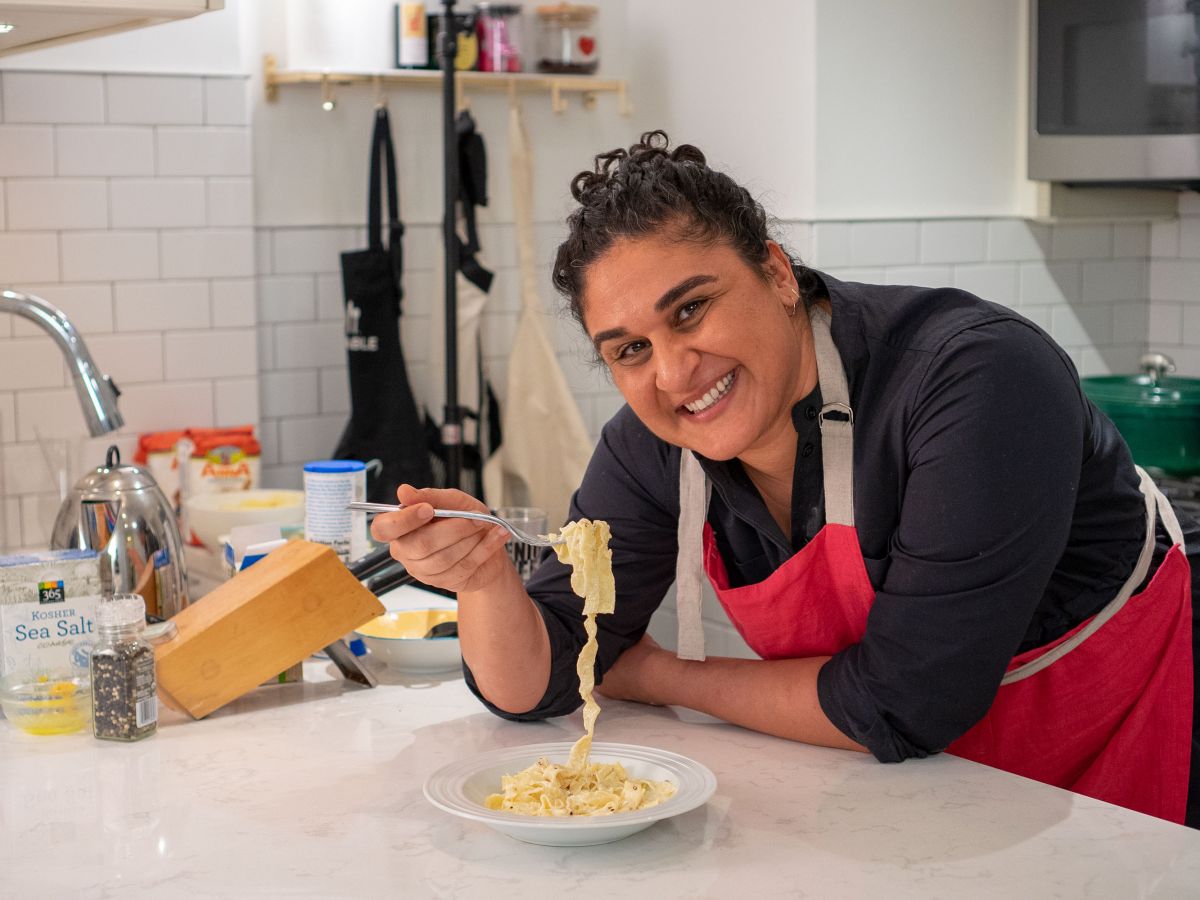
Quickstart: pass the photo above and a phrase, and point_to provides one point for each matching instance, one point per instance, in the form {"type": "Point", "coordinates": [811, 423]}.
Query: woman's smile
{"type": "Point", "coordinates": [712, 400]}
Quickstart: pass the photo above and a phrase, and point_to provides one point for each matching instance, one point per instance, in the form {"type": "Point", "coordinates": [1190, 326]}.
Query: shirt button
{"type": "Point", "coordinates": [807, 450]}
{"type": "Point", "coordinates": [810, 413]}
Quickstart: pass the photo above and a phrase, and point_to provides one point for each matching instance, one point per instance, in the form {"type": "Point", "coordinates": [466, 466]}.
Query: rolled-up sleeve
{"type": "Point", "coordinates": [994, 447]}
{"type": "Point", "coordinates": [626, 485]}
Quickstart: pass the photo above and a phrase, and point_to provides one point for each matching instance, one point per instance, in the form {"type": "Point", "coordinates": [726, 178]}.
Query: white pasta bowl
{"type": "Point", "coordinates": [397, 639]}
{"type": "Point", "coordinates": [461, 788]}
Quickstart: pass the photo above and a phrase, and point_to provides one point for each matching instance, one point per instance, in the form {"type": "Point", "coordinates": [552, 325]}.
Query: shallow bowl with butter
{"type": "Point", "coordinates": [47, 702]}
{"type": "Point", "coordinates": [414, 640]}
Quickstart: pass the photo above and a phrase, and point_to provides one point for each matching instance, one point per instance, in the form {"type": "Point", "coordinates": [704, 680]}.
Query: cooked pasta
{"type": "Point", "coordinates": [582, 788]}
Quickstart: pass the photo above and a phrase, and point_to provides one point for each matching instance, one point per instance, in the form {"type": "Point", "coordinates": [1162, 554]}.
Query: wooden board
{"type": "Point", "coordinates": [296, 600]}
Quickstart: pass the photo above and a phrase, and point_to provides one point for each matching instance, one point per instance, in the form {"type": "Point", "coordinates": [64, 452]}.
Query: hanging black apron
{"type": "Point", "coordinates": [384, 422]}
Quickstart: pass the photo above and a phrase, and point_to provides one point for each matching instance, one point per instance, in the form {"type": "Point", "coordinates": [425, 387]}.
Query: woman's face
{"type": "Point", "coordinates": [699, 344]}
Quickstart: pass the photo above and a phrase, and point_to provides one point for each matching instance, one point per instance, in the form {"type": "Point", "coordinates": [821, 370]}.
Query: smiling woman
{"type": "Point", "coordinates": [900, 495]}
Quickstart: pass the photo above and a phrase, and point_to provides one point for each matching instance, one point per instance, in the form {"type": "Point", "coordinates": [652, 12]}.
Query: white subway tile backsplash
{"type": "Point", "coordinates": [924, 276]}
{"type": "Point", "coordinates": [210, 253]}
{"type": "Point", "coordinates": [33, 362]}
{"type": "Point", "coordinates": [302, 250]}
{"type": "Point", "coordinates": [1165, 324]}
{"type": "Point", "coordinates": [50, 414]}
{"type": "Point", "coordinates": [335, 390]}
{"type": "Point", "coordinates": [230, 202]}
{"type": "Point", "coordinates": [10, 524]}
{"type": "Point", "coordinates": [1083, 326]}
{"type": "Point", "coordinates": [37, 518]}
{"type": "Point", "coordinates": [831, 245]}
{"type": "Point", "coordinates": [1130, 323]}
{"type": "Point", "coordinates": [268, 439]}
{"type": "Point", "coordinates": [1189, 237]}
{"type": "Point", "coordinates": [157, 407]}
{"type": "Point", "coordinates": [26, 151]}
{"type": "Point", "coordinates": [309, 345]}
{"type": "Point", "coordinates": [1049, 282]}
{"type": "Point", "coordinates": [1164, 239]}
{"type": "Point", "coordinates": [883, 243]}
{"type": "Point", "coordinates": [162, 305]}
{"type": "Point", "coordinates": [129, 358]}
{"type": "Point", "coordinates": [38, 204]}
{"type": "Point", "coordinates": [210, 354]}
{"type": "Point", "coordinates": [1131, 240]}
{"type": "Point", "coordinates": [287, 298]}
{"type": "Point", "coordinates": [226, 101]}
{"type": "Point", "coordinates": [8, 423]}
{"type": "Point", "coordinates": [998, 282]}
{"type": "Point", "coordinates": [1190, 333]}
{"type": "Point", "coordinates": [29, 257]}
{"type": "Point", "coordinates": [116, 150]}
{"type": "Point", "coordinates": [203, 151]}
{"type": "Point", "coordinates": [109, 255]}
{"type": "Point", "coordinates": [265, 339]}
{"type": "Point", "coordinates": [1081, 241]}
{"type": "Point", "coordinates": [289, 477]}
{"type": "Point", "coordinates": [264, 258]}
{"type": "Point", "coordinates": [309, 437]}
{"type": "Point", "coordinates": [53, 97]}
{"type": "Point", "coordinates": [796, 238]}
{"type": "Point", "coordinates": [953, 241]}
{"type": "Point", "coordinates": [150, 100]}
{"type": "Point", "coordinates": [157, 202]}
{"type": "Point", "coordinates": [88, 306]}
{"type": "Point", "coordinates": [290, 393]}
{"type": "Point", "coordinates": [331, 303]}
{"type": "Point", "coordinates": [236, 401]}
{"type": "Point", "coordinates": [1039, 315]}
{"type": "Point", "coordinates": [1175, 279]}
{"type": "Point", "coordinates": [233, 303]}
{"type": "Point", "coordinates": [1017, 240]}
{"type": "Point", "coordinates": [1115, 280]}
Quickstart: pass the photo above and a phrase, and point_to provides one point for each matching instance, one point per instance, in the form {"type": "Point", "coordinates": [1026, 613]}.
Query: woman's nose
{"type": "Point", "coordinates": [674, 367]}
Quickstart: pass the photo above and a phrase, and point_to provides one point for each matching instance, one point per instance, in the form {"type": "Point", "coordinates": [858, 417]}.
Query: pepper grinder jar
{"type": "Point", "coordinates": [124, 692]}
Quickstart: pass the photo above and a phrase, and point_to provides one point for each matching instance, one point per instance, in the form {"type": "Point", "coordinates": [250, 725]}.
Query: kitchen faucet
{"type": "Point", "coordinates": [97, 393]}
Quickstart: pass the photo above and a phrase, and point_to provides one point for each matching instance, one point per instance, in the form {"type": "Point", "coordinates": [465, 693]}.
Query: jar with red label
{"type": "Point", "coordinates": [499, 28]}
{"type": "Point", "coordinates": [566, 39]}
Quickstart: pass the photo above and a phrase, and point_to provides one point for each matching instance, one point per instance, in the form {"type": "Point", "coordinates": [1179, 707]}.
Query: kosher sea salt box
{"type": "Point", "coordinates": [47, 604]}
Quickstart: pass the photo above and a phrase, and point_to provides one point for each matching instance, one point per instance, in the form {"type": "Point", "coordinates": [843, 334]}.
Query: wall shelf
{"type": "Point", "coordinates": [558, 86]}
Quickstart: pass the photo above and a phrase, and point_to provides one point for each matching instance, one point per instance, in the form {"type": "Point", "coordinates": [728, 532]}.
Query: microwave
{"type": "Point", "coordinates": [1114, 92]}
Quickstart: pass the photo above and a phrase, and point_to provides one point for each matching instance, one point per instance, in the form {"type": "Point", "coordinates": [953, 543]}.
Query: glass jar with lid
{"type": "Point", "coordinates": [499, 28]}
{"type": "Point", "coordinates": [566, 39]}
{"type": "Point", "coordinates": [124, 692]}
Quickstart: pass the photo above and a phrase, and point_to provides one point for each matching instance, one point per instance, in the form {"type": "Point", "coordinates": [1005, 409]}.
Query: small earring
{"type": "Point", "coordinates": [791, 310]}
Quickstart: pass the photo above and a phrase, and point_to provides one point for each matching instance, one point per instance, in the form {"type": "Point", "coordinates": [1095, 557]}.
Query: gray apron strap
{"type": "Point", "coordinates": [837, 454]}
{"type": "Point", "coordinates": [1156, 503]}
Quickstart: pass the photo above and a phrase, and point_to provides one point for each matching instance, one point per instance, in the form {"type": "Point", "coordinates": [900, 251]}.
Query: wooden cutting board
{"type": "Point", "coordinates": [296, 600]}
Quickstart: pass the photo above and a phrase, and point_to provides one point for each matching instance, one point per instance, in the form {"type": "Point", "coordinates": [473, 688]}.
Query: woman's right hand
{"type": "Point", "coordinates": [460, 555]}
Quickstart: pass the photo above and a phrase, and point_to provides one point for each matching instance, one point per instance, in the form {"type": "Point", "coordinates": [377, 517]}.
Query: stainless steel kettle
{"type": "Point", "coordinates": [119, 511]}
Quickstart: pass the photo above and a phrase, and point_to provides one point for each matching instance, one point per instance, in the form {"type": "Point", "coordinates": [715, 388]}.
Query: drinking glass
{"type": "Point", "coordinates": [531, 520]}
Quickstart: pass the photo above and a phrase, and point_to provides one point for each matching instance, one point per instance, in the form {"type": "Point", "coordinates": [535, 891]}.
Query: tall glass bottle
{"type": "Point", "coordinates": [124, 698]}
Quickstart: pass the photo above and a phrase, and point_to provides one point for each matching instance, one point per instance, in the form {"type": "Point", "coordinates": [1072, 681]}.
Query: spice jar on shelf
{"type": "Point", "coordinates": [499, 28]}
{"type": "Point", "coordinates": [124, 698]}
{"type": "Point", "coordinates": [566, 39]}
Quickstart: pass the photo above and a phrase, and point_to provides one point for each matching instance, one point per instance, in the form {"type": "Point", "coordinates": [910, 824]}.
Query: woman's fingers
{"type": "Point", "coordinates": [442, 498]}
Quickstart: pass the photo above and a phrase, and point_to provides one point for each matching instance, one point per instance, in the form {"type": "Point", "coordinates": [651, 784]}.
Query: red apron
{"type": "Point", "coordinates": [1105, 710]}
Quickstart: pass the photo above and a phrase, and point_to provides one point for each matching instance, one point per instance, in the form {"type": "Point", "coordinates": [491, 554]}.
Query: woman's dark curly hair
{"type": "Point", "coordinates": [647, 189]}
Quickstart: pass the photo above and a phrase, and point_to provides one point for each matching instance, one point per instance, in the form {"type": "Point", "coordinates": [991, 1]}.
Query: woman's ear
{"type": "Point", "coordinates": [779, 269]}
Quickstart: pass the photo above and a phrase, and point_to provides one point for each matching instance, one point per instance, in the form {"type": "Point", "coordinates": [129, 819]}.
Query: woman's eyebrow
{"type": "Point", "coordinates": [663, 302]}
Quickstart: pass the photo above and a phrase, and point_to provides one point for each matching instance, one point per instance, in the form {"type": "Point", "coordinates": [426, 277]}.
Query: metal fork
{"type": "Point", "coordinates": [531, 539]}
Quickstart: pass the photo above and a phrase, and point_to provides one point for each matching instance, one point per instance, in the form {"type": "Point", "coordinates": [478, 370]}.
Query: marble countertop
{"type": "Point", "coordinates": [315, 790]}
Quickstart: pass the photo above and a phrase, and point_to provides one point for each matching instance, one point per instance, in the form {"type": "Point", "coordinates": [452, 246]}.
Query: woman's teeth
{"type": "Point", "coordinates": [716, 393]}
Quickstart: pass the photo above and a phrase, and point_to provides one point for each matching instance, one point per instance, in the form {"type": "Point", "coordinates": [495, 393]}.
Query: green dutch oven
{"type": "Point", "coordinates": [1156, 413]}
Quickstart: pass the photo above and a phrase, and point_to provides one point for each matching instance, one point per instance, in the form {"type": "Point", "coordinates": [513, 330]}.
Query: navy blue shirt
{"type": "Point", "coordinates": [995, 508]}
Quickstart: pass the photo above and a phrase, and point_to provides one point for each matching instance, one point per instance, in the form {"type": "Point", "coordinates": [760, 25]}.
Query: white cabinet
{"type": "Point", "coordinates": [33, 24]}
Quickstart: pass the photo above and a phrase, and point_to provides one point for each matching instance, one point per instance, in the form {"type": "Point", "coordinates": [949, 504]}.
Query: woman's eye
{"type": "Point", "coordinates": [689, 309]}
{"type": "Point", "coordinates": [626, 352]}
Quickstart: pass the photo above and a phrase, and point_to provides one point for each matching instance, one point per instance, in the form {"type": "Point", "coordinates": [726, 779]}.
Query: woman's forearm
{"type": "Point", "coordinates": [504, 641]}
{"type": "Point", "coordinates": [776, 697]}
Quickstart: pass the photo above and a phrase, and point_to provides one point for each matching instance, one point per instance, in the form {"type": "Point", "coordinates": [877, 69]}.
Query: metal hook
{"type": "Point", "coordinates": [328, 101]}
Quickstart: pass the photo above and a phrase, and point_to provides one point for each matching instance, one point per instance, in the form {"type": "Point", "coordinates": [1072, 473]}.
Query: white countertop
{"type": "Point", "coordinates": [314, 790]}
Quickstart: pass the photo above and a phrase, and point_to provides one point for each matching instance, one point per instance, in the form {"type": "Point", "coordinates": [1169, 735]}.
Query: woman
{"type": "Point", "coordinates": [903, 499]}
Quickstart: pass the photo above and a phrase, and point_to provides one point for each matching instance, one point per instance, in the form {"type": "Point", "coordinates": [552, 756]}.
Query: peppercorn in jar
{"type": "Point", "coordinates": [124, 699]}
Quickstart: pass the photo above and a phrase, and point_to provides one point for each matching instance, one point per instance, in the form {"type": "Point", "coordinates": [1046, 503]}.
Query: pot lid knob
{"type": "Point", "coordinates": [1156, 365]}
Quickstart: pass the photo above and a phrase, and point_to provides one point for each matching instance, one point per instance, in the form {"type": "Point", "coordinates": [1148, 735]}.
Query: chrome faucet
{"type": "Point", "coordinates": [97, 393]}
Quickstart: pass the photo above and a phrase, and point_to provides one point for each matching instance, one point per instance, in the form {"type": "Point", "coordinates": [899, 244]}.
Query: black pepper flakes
{"type": "Point", "coordinates": [124, 698]}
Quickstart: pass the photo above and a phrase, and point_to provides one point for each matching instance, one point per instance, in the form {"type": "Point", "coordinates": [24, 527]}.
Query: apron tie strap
{"type": "Point", "coordinates": [694, 493]}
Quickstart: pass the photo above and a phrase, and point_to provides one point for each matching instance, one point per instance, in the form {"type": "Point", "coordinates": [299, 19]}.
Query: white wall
{"type": "Point", "coordinates": [917, 104]}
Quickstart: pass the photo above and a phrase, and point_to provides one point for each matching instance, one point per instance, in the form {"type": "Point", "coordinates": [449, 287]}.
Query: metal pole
{"type": "Point", "coordinates": [452, 422]}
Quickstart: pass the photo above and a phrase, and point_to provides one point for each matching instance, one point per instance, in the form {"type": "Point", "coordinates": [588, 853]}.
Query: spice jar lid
{"type": "Point", "coordinates": [122, 609]}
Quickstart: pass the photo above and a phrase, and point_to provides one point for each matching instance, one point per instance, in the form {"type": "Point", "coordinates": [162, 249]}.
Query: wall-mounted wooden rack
{"type": "Point", "coordinates": [558, 86]}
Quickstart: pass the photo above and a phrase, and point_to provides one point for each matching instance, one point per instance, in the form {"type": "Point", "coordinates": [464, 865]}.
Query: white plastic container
{"type": "Point", "coordinates": [329, 485]}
